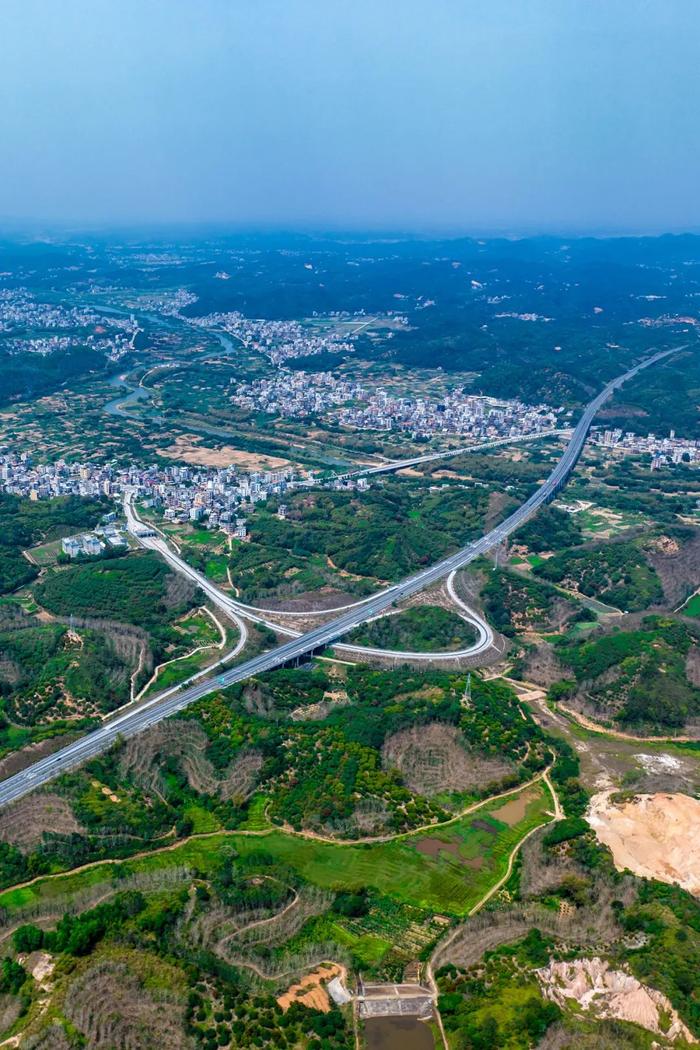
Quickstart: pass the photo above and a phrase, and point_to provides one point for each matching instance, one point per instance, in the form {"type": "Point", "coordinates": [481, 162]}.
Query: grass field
{"type": "Point", "coordinates": [447, 871]}
{"type": "Point", "coordinates": [181, 669]}
{"type": "Point", "coordinates": [200, 630]}
{"type": "Point", "coordinates": [203, 822]}
{"type": "Point", "coordinates": [692, 606]}
{"type": "Point", "coordinates": [215, 568]}
{"type": "Point", "coordinates": [46, 553]}
{"type": "Point", "coordinates": [597, 521]}
{"type": "Point", "coordinates": [25, 599]}
{"type": "Point", "coordinates": [257, 819]}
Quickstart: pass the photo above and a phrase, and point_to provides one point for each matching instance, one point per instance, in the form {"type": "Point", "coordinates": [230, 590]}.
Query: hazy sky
{"type": "Point", "coordinates": [516, 115]}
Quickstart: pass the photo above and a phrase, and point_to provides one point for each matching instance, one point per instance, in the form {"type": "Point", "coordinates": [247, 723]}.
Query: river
{"type": "Point", "coordinates": [133, 394]}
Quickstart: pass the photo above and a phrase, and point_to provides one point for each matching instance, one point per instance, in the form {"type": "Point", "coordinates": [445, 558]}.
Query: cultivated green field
{"type": "Point", "coordinates": [447, 870]}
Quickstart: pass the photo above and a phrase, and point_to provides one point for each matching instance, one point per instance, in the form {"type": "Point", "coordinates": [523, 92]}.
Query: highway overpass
{"type": "Point", "coordinates": [162, 706]}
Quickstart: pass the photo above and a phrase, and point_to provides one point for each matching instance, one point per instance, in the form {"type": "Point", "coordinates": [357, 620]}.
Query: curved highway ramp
{"type": "Point", "coordinates": [165, 704]}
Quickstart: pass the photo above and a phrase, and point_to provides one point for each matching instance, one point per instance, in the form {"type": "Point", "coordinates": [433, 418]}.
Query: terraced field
{"type": "Point", "coordinates": [446, 871]}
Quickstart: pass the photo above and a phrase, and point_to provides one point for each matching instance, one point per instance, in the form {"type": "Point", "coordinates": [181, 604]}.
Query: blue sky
{"type": "Point", "coordinates": [451, 115]}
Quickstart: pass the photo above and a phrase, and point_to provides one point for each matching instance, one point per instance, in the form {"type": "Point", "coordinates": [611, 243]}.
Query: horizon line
{"type": "Point", "coordinates": [37, 230]}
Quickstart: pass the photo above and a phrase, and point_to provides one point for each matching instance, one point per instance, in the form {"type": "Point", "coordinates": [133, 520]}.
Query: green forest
{"type": "Point", "coordinates": [385, 534]}
{"type": "Point", "coordinates": [24, 523]}
{"type": "Point", "coordinates": [424, 629]}
{"type": "Point", "coordinates": [637, 677]}
{"type": "Point", "coordinates": [137, 589]}
{"type": "Point", "coordinates": [615, 573]}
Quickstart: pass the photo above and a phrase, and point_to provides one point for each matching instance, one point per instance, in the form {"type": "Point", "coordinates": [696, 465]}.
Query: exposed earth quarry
{"type": "Point", "coordinates": [611, 993]}
{"type": "Point", "coordinates": [654, 836]}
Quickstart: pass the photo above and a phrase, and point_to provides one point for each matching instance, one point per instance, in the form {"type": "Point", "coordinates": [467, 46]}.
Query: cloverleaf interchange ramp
{"type": "Point", "coordinates": [162, 706]}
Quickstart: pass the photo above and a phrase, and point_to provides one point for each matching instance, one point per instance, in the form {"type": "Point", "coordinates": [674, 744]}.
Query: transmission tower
{"type": "Point", "coordinates": [467, 697]}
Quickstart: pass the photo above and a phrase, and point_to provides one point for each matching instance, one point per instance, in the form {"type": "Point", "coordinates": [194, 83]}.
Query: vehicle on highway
{"type": "Point", "coordinates": [316, 640]}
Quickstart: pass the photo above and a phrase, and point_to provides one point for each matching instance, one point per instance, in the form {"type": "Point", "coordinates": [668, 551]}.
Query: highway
{"type": "Point", "coordinates": [162, 706]}
{"type": "Point", "coordinates": [431, 457]}
{"type": "Point", "coordinates": [234, 609]}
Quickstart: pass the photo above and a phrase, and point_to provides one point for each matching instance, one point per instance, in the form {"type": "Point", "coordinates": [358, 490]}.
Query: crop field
{"type": "Point", "coordinates": [446, 871]}
{"type": "Point", "coordinates": [389, 933]}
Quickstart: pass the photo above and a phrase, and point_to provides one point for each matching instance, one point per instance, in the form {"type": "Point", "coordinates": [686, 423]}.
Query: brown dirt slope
{"type": "Point", "coordinates": [113, 1010]}
{"type": "Point", "coordinates": [24, 823]}
{"type": "Point", "coordinates": [143, 755]}
{"type": "Point", "coordinates": [434, 758]}
{"type": "Point", "coordinates": [678, 566]}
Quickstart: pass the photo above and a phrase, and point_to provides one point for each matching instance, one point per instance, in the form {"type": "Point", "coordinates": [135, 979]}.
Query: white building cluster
{"type": "Point", "coordinates": [300, 395]}
{"type": "Point", "coordinates": [21, 314]}
{"type": "Point", "coordinates": [278, 340]}
{"type": "Point", "coordinates": [663, 450]}
{"type": "Point", "coordinates": [297, 394]}
{"type": "Point", "coordinates": [467, 416]}
{"type": "Point", "coordinates": [19, 309]}
{"type": "Point", "coordinates": [180, 493]}
{"type": "Point", "coordinates": [168, 303]}
{"type": "Point", "coordinates": [92, 544]}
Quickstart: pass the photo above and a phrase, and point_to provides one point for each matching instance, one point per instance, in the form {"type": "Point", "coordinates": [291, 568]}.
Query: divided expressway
{"type": "Point", "coordinates": [162, 706]}
{"type": "Point", "coordinates": [239, 613]}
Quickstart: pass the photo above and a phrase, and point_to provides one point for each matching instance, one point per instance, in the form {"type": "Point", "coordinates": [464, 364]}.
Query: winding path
{"type": "Point", "coordinates": [272, 829]}
{"type": "Point", "coordinates": [430, 976]}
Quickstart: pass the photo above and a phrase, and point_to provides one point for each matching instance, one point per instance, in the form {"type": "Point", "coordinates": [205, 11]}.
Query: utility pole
{"type": "Point", "coordinates": [467, 696]}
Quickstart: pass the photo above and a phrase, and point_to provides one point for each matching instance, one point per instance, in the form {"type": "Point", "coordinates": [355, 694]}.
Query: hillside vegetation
{"type": "Point", "coordinates": [616, 573]}
{"type": "Point", "coordinates": [637, 677]}
{"type": "Point", "coordinates": [424, 629]}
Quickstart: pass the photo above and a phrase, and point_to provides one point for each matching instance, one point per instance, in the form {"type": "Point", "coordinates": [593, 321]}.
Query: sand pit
{"type": "Point", "coordinates": [655, 836]}
{"type": "Point", "coordinates": [187, 449]}
{"type": "Point", "coordinates": [310, 991]}
{"type": "Point", "coordinates": [611, 993]}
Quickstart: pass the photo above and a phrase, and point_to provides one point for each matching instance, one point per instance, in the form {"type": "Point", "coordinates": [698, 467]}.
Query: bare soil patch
{"type": "Point", "coordinates": [611, 993]}
{"type": "Point", "coordinates": [692, 665]}
{"type": "Point", "coordinates": [678, 566]}
{"type": "Point", "coordinates": [111, 1007]}
{"type": "Point", "coordinates": [332, 699]}
{"type": "Point", "coordinates": [542, 665]}
{"type": "Point", "coordinates": [655, 836]}
{"type": "Point", "coordinates": [187, 449]}
{"type": "Point", "coordinates": [143, 757]}
{"type": "Point", "coordinates": [310, 990]}
{"type": "Point", "coordinates": [24, 823]}
{"type": "Point", "coordinates": [307, 601]}
{"type": "Point", "coordinates": [498, 501]}
{"type": "Point", "coordinates": [433, 759]}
